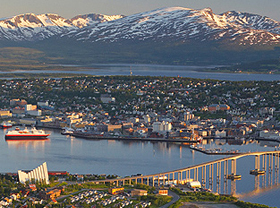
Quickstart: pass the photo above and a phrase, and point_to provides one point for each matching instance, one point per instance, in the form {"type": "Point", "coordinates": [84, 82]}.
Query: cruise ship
{"type": "Point", "coordinates": [26, 134]}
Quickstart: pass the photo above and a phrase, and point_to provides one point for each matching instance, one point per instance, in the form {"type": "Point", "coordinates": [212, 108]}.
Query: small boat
{"type": "Point", "coordinates": [67, 131]}
{"type": "Point", "coordinates": [257, 172]}
{"type": "Point", "coordinates": [6, 125]}
{"type": "Point", "coordinates": [234, 177]}
{"type": "Point", "coordinates": [26, 134]}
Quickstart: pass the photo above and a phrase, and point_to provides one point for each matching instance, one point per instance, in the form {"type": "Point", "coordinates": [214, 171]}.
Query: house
{"type": "Point", "coordinates": [106, 98]}
{"type": "Point", "coordinates": [138, 192]}
{"type": "Point", "coordinates": [163, 192]}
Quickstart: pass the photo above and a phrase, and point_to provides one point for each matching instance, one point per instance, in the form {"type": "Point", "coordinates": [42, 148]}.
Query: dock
{"type": "Point", "coordinates": [138, 139]}
{"type": "Point", "coordinates": [213, 152]}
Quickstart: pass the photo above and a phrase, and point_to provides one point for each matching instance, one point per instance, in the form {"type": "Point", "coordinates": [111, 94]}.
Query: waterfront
{"type": "Point", "coordinates": [115, 157]}
{"type": "Point", "coordinates": [160, 70]}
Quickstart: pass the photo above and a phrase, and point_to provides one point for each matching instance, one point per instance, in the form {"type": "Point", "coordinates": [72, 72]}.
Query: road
{"type": "Point", "coordinates": [174, 199]}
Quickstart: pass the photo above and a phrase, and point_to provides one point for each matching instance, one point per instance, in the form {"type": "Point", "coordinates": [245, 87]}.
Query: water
{"type": "Point", "coordinates": [65, 153]}
{"type": "Point", "coordinates": [163, 70]}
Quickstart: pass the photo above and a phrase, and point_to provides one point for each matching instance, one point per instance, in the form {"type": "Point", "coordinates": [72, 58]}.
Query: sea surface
{"type": "Point", "coordinates": [65, 153]}
{"type": "Point", "coordinates": [162, 70]}
{"type": "Point", "coordinates": [124, 158]}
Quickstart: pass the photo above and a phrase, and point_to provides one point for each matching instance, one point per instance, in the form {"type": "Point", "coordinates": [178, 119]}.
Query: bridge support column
{"type": "Point", "coordinates": [233, 166]}
{"type": "Point", "coordinates": [168, 177]}
{"type": "Point", "coordinates": [257, 162]}
{"type": "Point", "coordinates": [225, 170]}
{"type": "Point", "coordinates": [276, 167]}
{"type": "Point", "coordinates": [181, 176]}
{"type": "Point", "coordinates": [203, 176]}
{"type": "Point", "coordinates": [153, 181]}
{"type": "Point", "coordinates": [270, 156]}
{"type": "Point", "coordinates": [218, 177]}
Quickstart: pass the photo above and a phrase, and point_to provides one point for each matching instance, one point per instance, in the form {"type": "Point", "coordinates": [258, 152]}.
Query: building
{"type": "Point", "coordinates": [43, 104]}
{"type": "Point", "coordinates": [138, 192]}
{"type": "Point", "coordinates": [163, 192]}
{"type": "Point", "coordinates": [27, 121]}
{"type": "Point", "coordinates": [116, 190]}
{"type": "Point", "coordinates": [216, 107]}
{"type": "Point", "coordinates": [106, 98]}
{"type": "Point", "coordinates": [162, 126]}
{"type": "Point", "coordinates": [38, 174]}
{"type": "Point", "coordinates": [50, 194]}
{"type": "Point", "coordinates": [5, 114]}
{"type": "Point", "coordinates": [30, 107]}
{"type": "Point", "coordinates": [34, 112]}
{"type": "Point", "coordinates": [188, 116]}
{"type": "Point", "coordinates": [16, 102]}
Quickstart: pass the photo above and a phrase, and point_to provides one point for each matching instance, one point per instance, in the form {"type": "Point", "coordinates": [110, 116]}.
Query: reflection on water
{"type": "Point", "coordinates": [27, 144]}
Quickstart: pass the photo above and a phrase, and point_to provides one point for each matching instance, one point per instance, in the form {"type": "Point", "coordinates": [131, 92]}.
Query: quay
{"type": "Point", "coordinates": [209, 152]}
{"type": "Point", "coordinates": [92, 137]}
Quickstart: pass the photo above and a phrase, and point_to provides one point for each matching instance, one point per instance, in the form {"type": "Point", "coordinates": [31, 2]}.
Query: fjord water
{"type": "Point", "coordinates": [124, 158]}
{"type": "Point", "coordinates": [161, 70]}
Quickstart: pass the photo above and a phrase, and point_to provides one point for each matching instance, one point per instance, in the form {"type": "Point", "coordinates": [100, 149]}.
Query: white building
{"type": "Point", "coordinates": [270, 134]}
{"type": "Point", "coordinates": [221, 133]}
{"type": "Point", "coordinates": [38, 174]}
{"type": "Point", "coordinates": [43, 104]}
{"type": "Point", "coordinates": [162, 126]}
{"type": "Point", "coordinates": [29, 107]}
{"type": "Point", "coordinates": [106, 98]}
{"type": "Point", "coordinates": [34, 112]}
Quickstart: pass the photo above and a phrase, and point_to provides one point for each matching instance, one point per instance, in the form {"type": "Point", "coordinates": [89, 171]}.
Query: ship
{"type": "Point", "coordinates": [26, 134]}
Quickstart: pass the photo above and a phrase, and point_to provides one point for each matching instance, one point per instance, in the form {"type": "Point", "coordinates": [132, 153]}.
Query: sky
{"type": "Point", "coordinates": [71, 8]}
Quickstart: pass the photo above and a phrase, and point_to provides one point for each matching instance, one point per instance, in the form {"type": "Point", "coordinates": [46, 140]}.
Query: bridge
{"type": "Point", "coordinates": [212, 175]}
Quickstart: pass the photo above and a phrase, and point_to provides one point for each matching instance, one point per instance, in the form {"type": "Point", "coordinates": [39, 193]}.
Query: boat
{"type": "Point", "coordinates": [234, 177]}
{"type": "Point", "coordinates": [67, 131]}
{"type": "Point", "coordinates": [5, 125]}
{"type": "Point", "coordinates": [257, 172]}
{"type": "Point", "coordinates": [26, 134]}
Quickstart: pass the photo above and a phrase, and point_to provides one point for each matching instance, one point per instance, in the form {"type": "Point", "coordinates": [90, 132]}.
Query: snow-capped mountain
{"type": "Point", "coordinates": [183, 24]}
{"type": "Point", "coordinates": [160, 25]}
{"type": "Point", "coordinates": [31, 27]}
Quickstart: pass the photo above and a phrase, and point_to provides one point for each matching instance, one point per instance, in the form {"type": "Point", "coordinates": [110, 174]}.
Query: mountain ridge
{"type": "Point", "coordinates": [170, 35]}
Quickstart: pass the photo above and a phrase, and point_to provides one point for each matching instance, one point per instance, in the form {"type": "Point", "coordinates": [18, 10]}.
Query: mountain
{"type": "Point", "coordinates": [183, 24]}
{"type": "Point", "coordinates": [31, 27]}
{"type": "Point", "coordinates": [173, 35]}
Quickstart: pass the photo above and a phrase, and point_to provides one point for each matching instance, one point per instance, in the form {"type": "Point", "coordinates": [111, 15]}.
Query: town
{"type": "Point", "coordinates": [133, 108]}
{"type": "Point", "coordinates": [144, 107]}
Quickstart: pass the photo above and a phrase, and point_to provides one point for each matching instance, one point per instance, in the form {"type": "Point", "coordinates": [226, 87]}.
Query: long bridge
{"type": "Point", "coordinates": [212, 175]}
